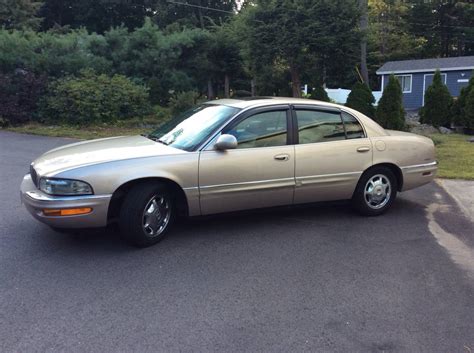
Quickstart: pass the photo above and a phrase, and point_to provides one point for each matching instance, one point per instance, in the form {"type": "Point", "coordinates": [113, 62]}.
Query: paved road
{"type": "Point", "coordinates": [316, 278]}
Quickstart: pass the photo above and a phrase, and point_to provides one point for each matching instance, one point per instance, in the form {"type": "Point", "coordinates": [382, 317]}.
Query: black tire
{"type": "Point", "coordinates": [360, 201]}
{"type": "Point", "coordinates": [132, 221]}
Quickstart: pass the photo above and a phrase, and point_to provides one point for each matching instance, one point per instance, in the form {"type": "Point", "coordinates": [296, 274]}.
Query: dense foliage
{"type": "Point", "coordinates": [320, 94]}
{"type": "Point", "coordinates": [221, 48]}
{"type": "Point", "coordinates": [361, 99]}
{"type": "Point", "coordinates": [438, 101]}
{"type": "Point", "coordinates": [390, 113]}
{"type": "Point", "coordinates": [92, 97]}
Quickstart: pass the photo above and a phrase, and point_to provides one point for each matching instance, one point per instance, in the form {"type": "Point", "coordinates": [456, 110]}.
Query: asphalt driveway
{"type": "Point", "coordinates": [315, 278]}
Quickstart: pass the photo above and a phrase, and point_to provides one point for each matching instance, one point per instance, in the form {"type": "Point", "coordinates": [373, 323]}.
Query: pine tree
{"type": "Point", "coordinates": [390, 113]}
{"type": "Point", "coordinates": [361, 99]}
{"type": "Point", "coordinates": [458, 110]}
{"type": "Point", "coordinates": [438, 101]}
{"type": "Point", "coordinates": [469, 110]}
{"type": "Point", "coordinates": [320, 94]}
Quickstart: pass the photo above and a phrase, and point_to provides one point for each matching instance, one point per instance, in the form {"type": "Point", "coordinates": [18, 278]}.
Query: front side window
{"type": "Point", "coordinates": [405, 83]}
{"type": "Point", "coordinates": [353, 128]}
{"type": "Point", "coordinates": [319, 126]}
{"type": "Point", "coordinates": [265, 129]}
{"type": "Point", "coordinates": [192, 128]}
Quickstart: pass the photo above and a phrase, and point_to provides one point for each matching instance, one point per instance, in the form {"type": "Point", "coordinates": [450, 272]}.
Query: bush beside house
{"type": "Point", "coordinates": [438, 102]}
{"type": "Point", "coordinates": [361, 99]}
{"type": "Point", "coordinates": [390, 113]}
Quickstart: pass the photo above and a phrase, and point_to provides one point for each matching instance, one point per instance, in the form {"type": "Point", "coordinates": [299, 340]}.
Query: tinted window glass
{"type": "Point", "coordinates": [353, 128]}
{"type": "Point", "coordinates": [317, 126]}
{"type": "Point", "coordinates": [261, 130]}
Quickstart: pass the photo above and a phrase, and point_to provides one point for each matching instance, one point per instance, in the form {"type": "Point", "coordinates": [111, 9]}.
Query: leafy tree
{"type": "Point", "coordinates": [390, 113]}
{"type": "Point", "coordinates": [361, 99]}
{"type": "Point", "coordinates": [19, 14]}
{"type": "Point", "coordinates": [320, 94]}
{"type": "Point", "coordinates": [295, 32]}
{"type": "Point", "coordinates": [438, 100]}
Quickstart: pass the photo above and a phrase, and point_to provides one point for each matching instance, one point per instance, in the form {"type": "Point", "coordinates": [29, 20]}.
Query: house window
{"type": "Point", "coordinates": [405, 83]}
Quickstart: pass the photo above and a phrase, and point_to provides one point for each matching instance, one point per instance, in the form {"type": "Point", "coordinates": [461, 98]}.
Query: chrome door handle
{"type": "Point", "coordinates": [282, 157]}
{"type": "Point", "coordinates": [363, 149]}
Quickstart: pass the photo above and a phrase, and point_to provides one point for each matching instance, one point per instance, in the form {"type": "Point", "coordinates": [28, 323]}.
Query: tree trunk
{"type": "Point", "coordinates": [364, 24]}
{"type": "Point", "coordinates": [295, 81]}
{"type": "Point", "coordinates": [226, 86]}
{"type": "Point", "coordinates": [253, 87]}
{"type": "Point", "coordinates": [210, 90]}
{"type": "Point", "coordinates": [201, 19]}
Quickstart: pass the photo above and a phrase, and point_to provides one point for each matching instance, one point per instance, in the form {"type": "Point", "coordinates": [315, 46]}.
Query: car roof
{"type": "Point", "coordinates": [243, 103]}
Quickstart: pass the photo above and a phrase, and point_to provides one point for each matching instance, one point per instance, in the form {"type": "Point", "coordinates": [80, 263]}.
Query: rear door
{"type": "Point", "coordinates": [331, 153]}
{"type": "Point", "coordinates": [259, 173]}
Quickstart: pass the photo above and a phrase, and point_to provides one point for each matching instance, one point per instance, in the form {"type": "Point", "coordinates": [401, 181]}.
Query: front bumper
{"type": "Point", "coordinates": [36, 201]}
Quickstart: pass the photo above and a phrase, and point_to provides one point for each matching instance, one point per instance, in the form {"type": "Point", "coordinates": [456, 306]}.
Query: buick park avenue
{"type": "Point", "coordinates": [227, 155]}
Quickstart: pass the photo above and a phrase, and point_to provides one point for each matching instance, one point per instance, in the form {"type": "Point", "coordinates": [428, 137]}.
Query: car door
{"type": "Point", "coordinates": [331, 153]}
{"type": "Point", "coordinates": [258, 173]}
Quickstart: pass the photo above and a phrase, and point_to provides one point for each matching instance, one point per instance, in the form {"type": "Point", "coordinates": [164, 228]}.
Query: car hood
{"type": "Point", "coordinates": [99, 151]}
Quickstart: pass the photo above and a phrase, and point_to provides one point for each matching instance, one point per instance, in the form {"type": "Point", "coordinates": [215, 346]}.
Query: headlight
{"type": "Point", "coordinates": [64, 187]}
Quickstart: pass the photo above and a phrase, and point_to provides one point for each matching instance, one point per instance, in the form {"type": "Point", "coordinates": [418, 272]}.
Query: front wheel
{"type": "Point", "coordinates": [146, 214]}
{"type": "Point", "coordinates": [375, 192]}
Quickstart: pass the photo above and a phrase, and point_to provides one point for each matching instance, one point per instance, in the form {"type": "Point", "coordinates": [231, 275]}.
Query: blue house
{"type": "Point", "coordinates": [416, 76]}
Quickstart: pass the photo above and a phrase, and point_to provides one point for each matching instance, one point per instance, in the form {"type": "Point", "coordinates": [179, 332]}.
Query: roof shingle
{"type": "Point", "coordinates": [427, 65]}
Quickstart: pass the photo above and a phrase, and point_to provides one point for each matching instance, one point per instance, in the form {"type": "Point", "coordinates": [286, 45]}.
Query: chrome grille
{"type": "Point", "coordinates": [34, 175]}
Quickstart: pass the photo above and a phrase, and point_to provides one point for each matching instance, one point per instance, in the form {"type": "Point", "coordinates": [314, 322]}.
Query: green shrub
{"type": "Point", "coordinates": [92, 98]}
{"type": "Point", "coordinates": [19, 96]}
{"type": "Point", "coordinates": [438, 101]}
{"type": "Point", "coordinates": [390, 113]}
{"type": "Point", "coordinates": [468, 117]}
{"type": "Point", "coordinates": [320, 94]}
{"type": "Point", "coordinates": [459, 108]}
{"type": "Point", "coordinates": [361, 99]}
{"type": "Point", "coordinates": [183, 101]}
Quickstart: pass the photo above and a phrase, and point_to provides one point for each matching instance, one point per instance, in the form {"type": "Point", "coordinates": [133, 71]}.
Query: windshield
{"type": "Point", "coordinates": [192, 128]}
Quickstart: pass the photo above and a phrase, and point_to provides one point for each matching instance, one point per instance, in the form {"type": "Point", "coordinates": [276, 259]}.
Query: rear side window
{"type": "Point", "coordinates": [319, 126]}
{"type": "Point", "coordinates": [353, 128]}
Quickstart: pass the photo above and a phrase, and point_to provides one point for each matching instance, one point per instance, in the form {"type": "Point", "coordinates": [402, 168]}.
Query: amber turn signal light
{"type": "Point", "coordinates": [67, 211]}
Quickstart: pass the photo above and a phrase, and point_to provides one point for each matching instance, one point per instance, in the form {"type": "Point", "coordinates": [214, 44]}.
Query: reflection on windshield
{"type": "Point", "coordinates": [189, 130]}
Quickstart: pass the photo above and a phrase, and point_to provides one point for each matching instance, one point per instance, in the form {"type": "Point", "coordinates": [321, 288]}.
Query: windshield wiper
{"type": "Point", "coordinates": [156, 139]}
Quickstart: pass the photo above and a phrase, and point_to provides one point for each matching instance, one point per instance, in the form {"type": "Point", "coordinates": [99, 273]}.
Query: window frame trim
{"type": "Point", "coordinates": [411, 82]}
{"type": "Point", "coordinates": [258, 110]}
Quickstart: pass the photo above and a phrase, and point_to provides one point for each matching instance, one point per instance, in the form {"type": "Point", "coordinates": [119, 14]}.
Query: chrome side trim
{"type": "Point", "coordinates": [38, 196]}
{"type": "Point", "coordinates": [249, 185]}
{"type": "Point", "coordinates": [416, 166]}
{"type": "Point", "coordinates": [327, 178]}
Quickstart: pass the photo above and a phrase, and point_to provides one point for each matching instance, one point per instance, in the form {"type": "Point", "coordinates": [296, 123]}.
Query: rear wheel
{"type": "Point", "coordinates": [146, 214]}
{"type": "Point", "coordinates": [375, 192]}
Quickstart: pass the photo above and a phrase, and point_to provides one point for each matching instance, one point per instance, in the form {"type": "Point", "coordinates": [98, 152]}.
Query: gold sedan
{"type": "Point", "coordinates": [222, 156]}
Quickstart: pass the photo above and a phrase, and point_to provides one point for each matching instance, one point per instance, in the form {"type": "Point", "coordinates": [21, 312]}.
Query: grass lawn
{"type": "Point", "coordinates": [84, 133]}
{"type": "Point", "coordinates": [455, 156]}
{"type": "Point", "coordinates": [454, 153]}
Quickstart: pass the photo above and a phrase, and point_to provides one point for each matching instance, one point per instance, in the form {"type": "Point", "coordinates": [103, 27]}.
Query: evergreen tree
{"type": "Point", "coordinates": [438, 101]}
{"type": "Point", "coordinates": [320, 94]}
{"type": "Point", "coordinates": [390, 113]}
{"type": "Point", "coordinates": [458, 110]}
{"type": "Point", "coordinates": [19, 14]}
{"type": "Point", "coordinates": [468, 116]}
{"type": "Point", "coordinates": [361, 99]}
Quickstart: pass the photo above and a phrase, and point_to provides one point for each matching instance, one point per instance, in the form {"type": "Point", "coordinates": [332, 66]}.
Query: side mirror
{"type": "Point", "coordinates": [225, 142]}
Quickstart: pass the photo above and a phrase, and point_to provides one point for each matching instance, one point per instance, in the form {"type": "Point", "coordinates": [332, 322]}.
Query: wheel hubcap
{"type": "Point", "coordinates": [377, 191]}
{"type": "Point", "coordinates": [156, 216]}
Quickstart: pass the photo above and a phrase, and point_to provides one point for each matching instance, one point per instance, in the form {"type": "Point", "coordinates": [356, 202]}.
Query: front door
{"type": "Point", "coordinates": [331, 154]}
{"type": "Point", "coordinates": [259, 173]}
